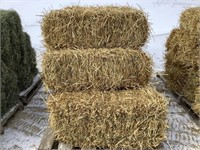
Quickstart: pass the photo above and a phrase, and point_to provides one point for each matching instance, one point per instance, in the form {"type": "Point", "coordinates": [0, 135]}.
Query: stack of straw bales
{"type": "Point", "coordinates": [17, 59]}
{"type": "Point", "coordinates": [98, 76]}
{"type": "Point", "coordinates": [182, 57]}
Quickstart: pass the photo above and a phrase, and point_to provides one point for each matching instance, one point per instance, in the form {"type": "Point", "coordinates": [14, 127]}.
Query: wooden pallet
{"type": "Point", "coordinates": [26, 95]}
{"type": "Point", "coordinates": [48, 142]}
{"type": "Point", "coordinates": [181, 99]}
{"type": "Point", "coordinates": [7, 115]}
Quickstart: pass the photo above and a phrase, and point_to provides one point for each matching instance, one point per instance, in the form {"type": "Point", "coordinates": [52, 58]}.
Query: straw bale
{"type": "Point", "coordinates": [196, 104]}
{"type": "Point", "coordinates": [131, 119]}
{"type": "Point", "coordinates": [95, 27]}
{"type": "Point", "coordinates": [105, 69]}
{"type": "Point", "coordinates": [183, 79]}
{"type": "Point", "coordinates": [183, 46]}
{"type": "Point", "coordinates": [182, 62]}
{"type": "Point", "coordinates": [189, 19]}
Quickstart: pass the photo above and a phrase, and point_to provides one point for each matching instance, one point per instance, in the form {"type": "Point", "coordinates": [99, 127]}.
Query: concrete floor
{"type": "Point", "coordinates": [25, 129]}
{"type": "Point", "coordinates": [184, 128]}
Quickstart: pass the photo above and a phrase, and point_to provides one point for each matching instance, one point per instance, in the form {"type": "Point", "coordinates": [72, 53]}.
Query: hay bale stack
{"type": "Point", "coordinates": [95, 27]}
{"type": "Point", "coordinates": [95, 67]}
{"type": "Point", "coordinates": [189, 19]}
{"type": "Point", "coordinates": [102, 69]}
{"type": "Point", "coordinates": [129, 119]}
{"type": "Point", "coordinates": [182, 57]}
{"type": "Point", "coordinates": [17, 59]}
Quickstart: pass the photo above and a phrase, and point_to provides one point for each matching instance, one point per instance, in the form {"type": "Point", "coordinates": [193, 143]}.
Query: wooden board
{"type": "Point", "coordinates": [47, 140]}
{"type": "Point", "coordinates": [26, 95]}
{"type": "Point", "coordinates": [7, 116]}
{"type": "Point", "coordinates": [64, 146]}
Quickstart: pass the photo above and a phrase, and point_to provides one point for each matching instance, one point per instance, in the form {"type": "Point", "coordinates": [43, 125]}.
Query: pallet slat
{"type": "Point", "coordinates": [29, 89]}
{"type": "Point", "coordinates": [63, 146]}
{"type": "Point", "coordinates": [10, 113]}
{"type": "Point", "coordinates": [26, 95]}
{"type": "Point", "coordinates": [47, 140]}
{"type": "Point", "coordinates": [88, 148]}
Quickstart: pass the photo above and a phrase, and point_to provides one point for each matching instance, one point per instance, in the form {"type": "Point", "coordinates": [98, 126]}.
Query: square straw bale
{"type": "Point", "coordinates": [183, 79]}
{"type": "Point", "coordinates": [183, 47]}
{"type": "Point", "coordinates": [103, 69]}
{"type": "Point", "coordinates": [95, 27]}
{"type": "Point", "coordinates": [190, 19]}
{"type": "Point", "coordinates": [129, 119]}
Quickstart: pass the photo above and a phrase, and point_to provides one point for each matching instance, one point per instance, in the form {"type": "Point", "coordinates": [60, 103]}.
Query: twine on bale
{"type": "Point", "coordinates": [95, 27]}
{"type": "Point", "coordinates": [129, 119]}
{"type": "Point", "coordinates": [102, 69]}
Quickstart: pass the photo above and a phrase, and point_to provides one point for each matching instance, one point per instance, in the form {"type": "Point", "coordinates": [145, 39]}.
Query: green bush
{"type": "Point", "coordinates": [9, 89]}
{"type": "Point", "coordinates": [10, 38]}
{"type": "Point", "coordinates": [27, 67]}
{"type": "Point", "coordinates": [17, 59]}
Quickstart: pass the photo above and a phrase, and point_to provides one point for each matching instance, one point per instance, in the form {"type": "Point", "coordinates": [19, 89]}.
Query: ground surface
{"type": "Point", "coordinates": [184, 128]}
{"type": "Point", "coordinates": [25, 129]}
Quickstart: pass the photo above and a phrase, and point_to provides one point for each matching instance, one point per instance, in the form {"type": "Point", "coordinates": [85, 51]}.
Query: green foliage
{"type": "Point", "coordinates": [9, 89]}
{"type": "Point", "coordinates": [27, 67]}
{"type": "Point", "coordinates": [18, 59]}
